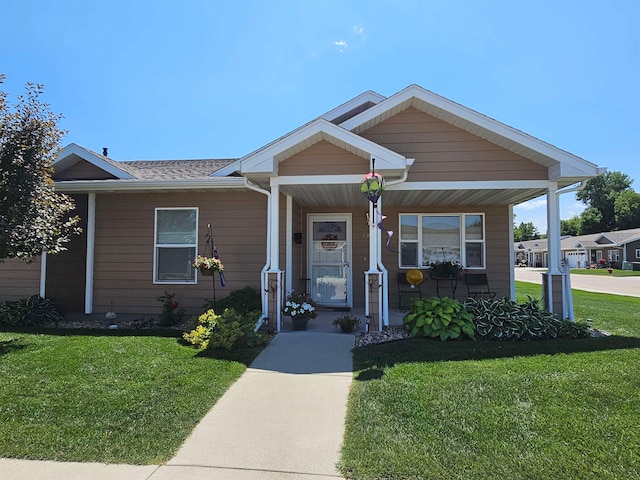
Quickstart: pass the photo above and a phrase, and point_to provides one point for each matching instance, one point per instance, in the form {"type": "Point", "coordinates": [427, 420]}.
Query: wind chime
{"type": "Point", "coordinates": [211, 250]}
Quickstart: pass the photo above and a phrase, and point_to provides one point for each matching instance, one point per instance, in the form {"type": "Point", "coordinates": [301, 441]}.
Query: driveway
{"type": "Point", "coordinates": [591, 283]}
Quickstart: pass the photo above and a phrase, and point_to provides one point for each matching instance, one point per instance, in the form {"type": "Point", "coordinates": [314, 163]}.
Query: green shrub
{"type": "Point", "coordinates": [504, 319]}
{"type": "Point", "coordinates": [227, 331]}
{"type": "Point", "coordinates": [442, 317]}
{"type": "Point", "coordinates": [242, 301]}
{"type": "Point", "coordinates": [171, 315]}
{"type": "Point", "coordinates": [31, 311]}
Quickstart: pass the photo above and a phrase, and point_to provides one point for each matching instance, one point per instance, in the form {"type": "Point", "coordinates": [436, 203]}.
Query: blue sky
{"type": "Point", "coordinates": [209, 79]}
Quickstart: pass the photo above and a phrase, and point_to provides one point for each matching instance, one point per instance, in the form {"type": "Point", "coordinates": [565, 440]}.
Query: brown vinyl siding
{"type": "Point", "coordinates": [19, 279]}
{"type": "Point", "coordinates": [82, 170]}
{"type": "Point", "coordinates": [443, 152]}
{"type": "Point", "coordinates": [323, 158]}
{"type": "Point", "coordinates": [124, 248]}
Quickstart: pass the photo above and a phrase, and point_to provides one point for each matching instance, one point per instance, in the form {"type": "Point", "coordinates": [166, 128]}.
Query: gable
{"type": "Point", "coordinates": [444, 152]}
{"type": "Point", "coordinates": [82, 170]}
{"type": "Point", "coordinates": [323, 158]}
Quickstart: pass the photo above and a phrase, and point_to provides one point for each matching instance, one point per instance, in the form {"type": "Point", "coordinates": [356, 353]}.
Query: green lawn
{"type": "Point", "coordinates": [106, 398]}
{"type": "Point", "coordinates": [604, 272]}
{"type": "Point", "coordinates": [561, 409]}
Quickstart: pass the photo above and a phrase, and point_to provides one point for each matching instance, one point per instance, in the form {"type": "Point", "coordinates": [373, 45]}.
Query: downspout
{"type": "Point", "coordinates": [383, 269]}
{"type": "Point", "coordinates": [263, 273]}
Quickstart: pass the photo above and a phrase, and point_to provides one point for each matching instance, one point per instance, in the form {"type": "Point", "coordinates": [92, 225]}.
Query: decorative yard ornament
{"type": "Point", "coordinates": [372, 185]}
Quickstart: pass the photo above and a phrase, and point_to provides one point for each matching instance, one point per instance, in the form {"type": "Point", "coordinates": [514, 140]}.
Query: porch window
{"type": "Point", "coordinates": [426, 239]}
{"type": "Point", "coordinates": [175, 245]}
{"type": "Point", "coordinates": [614, 256]}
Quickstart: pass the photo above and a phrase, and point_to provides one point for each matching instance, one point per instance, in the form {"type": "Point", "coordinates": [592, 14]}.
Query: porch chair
{"type": "Point", "coordinates": [406, 287]}
{"type": "Point", "coordinates": [478, 286]}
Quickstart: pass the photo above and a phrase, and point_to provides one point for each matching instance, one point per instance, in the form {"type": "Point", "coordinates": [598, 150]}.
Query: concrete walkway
{"type": "Point", "coordinates": [283, 419]}
{"type": "Point", "coordinates": [591, 283]}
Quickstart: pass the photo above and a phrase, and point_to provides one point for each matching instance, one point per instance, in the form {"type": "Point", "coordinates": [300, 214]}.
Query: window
{"type": "Point", "coordinates": [638, 253]}
{"type": "Point", "coordinates": [175, 245]}
{"type": "Point", "coordinates": [426, 239]}
{"type": "Point", "coordinates": [614, 256]}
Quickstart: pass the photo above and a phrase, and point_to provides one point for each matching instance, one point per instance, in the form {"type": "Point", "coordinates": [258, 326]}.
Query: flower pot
{"type": "Point", "coordinates": [346, 328]}
{"type": "Point", "coordinates": [206, 272]}
{"type": "Point", "coordinates": [299, 323]}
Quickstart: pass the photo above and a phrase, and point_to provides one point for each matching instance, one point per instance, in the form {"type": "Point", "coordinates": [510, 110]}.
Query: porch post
{"type": "Point", "coordinates": [372, 283]}
{"type": "Point", "coordinates": [274, 273]}
{"type": "Point", "coordinates": [91, 237]}
{"type": "Point", "coordinates": [43, 274]}
{"type": "Point", "coordinates": [553, 284]}
{"type": "Point", "coordinates": [289, 247]}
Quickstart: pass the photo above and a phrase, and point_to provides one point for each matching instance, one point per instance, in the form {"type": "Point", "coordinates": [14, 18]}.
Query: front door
{"type": "Point", "coordinates": [329, 259]}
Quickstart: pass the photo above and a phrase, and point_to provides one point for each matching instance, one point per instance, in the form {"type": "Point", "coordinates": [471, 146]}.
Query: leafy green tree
{"type": "Point", "coordinates": [33, 217]}
{"type": "Point", "coordinates": [627, 210]}
{"type": "Point", "coordinates": [570, 227]}
{"type": "Point", "coordinates": [600, 195]}
{"type": "Point", "coordinates": [525, 231]}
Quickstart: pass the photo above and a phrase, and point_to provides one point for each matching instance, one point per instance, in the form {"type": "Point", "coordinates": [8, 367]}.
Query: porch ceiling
{"type": "Point", "coordinates": [341, 195]}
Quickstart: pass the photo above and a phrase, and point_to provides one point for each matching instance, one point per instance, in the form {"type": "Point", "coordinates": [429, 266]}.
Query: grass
{"type": "Point", "coordinates": [604, 272]}
{"type": "Point", "coordinates": [105, 397]}
{"type": "Point", "coordinates": [562, 409]}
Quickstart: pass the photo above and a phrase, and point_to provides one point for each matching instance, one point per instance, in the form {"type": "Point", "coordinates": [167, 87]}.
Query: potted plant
{"type": "Point", "coordinates": [447, 269]}
{"type": "Point", "coordinates": [208, 265]}
{"type": "Point", "coordinates": [301, 309]}
{"type": "Point", "coordinates": [346, 323]}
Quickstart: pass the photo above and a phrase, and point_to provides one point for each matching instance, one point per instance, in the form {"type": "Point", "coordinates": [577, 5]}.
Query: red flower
{"type": "Point", "coordinates": [174, 305]}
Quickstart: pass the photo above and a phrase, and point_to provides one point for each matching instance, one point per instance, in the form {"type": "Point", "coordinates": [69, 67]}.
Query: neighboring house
{"type": "Point", "coordinates": [290, 216]}
{"type": "Point", "coordinates": [583, 251]}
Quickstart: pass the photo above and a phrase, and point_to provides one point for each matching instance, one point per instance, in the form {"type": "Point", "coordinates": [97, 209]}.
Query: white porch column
{"type": "Point", "coordinates": [91, 240]}
{"type": "Point", "coordinates": [373, 278]}
{"type": "Point", "coordinates": [512, 273]}
{"type": "Point", "coordinates": [553, 228]}
{"type": "Point", "coordinates": [288, 268]}
{"type": "Point", "coordinates": [274, 273]}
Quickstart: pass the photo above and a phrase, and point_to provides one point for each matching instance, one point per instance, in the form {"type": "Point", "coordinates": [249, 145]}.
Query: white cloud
{"type": "Point", "coordinates": [533, 204]}
{"type": "Point", "coordinates": [358, 29]}
{"type": "Point", "coordinates": [341, 44]}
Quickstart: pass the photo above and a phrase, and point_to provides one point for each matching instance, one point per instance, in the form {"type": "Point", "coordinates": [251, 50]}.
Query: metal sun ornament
{"type": "Point", "coordinates": [372, 185]}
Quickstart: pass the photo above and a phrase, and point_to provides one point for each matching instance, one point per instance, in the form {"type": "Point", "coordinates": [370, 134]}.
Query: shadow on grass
{"type": "Point", "coordinates": [373, 359]}
{"type": "Point", "coordinates": [95, 332]}
{"type": "Point", "coordinates": [8, 346]}
{"type": "Point", "coordinates": [242, 355]}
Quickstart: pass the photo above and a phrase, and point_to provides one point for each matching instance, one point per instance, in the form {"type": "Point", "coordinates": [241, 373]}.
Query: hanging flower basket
{"type": "Point", "coordinates": [208, 265]}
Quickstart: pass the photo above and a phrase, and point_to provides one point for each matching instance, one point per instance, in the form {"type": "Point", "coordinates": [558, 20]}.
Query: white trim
{"type": "Point", "coordinates": [172, 245]}
{"type": "Point", "coordinates": [91, 157]}
{"type": "Point", "coordinates": [43, 274]}
{"type": "Point", "coordinates": [227, 170]}
{"type": "Point", "coordinates": [512, 256]}
{"type": "Point", "coordinates": [82, 186]}
{"type": "Point", "coordinates": [275, 227]}
{"type": "Point", "coordinates": [471, 185]}
{"type": "Point", "coordinates": [553, 229]}
{"type": "Point", "coordinates": [258, 161]}
{"type": "Point", "coordinates": [90, 259]}
{"type": "Point", "coordinates": [318, 180]}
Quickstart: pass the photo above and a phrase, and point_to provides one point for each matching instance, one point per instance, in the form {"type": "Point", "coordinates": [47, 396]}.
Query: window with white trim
{"type": "Point", "coordinates": [614, 256]}
{"type": "Point", "coordinates": [431, 238]}
{"type": "Point", "coordinates": [638, 253]}
{"type": "Point", "coordinates": [175, 245]}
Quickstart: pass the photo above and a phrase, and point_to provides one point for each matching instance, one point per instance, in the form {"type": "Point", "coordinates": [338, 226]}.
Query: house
{"type": "Point", "coordinates": [618, 248]}
{"type": "Point", "coordinates": [290, 215]}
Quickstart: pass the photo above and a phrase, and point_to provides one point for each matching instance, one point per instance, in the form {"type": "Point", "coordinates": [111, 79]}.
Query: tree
{"type": "Point", "coordinates": [627, 210]}
{"type": "Point", "coordinates": [525, 231]}
{"type": "Point", "coordinates": [570, 227]}
{"type": "Point", "coordinates": [600, 195]}
{"type": "Point", "coordinates": [32, 214]}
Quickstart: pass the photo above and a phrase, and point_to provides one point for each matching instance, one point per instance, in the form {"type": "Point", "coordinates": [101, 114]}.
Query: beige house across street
{"type": "Point", "coordinates": [290, 215]}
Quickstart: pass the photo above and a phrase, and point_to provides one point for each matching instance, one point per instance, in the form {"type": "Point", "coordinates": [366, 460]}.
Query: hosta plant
{"type": "Point", "coordinates": [504, 319]}
{"type": "Point", "coordinates": [442, 317]}
{"type": "Point", "coordinates": [31, 311]}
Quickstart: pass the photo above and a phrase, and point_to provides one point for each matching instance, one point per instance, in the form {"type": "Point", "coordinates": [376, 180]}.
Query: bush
{"type": "Point", "coordinates": [242, 301]}
{"type": "Point", "coordinates": [30, 311]}
{"type": "Point", "coordinates": [227, 331]}
{"type": "Point", "coordinates": [439, 317]}
{"type": "Point", "coordinates": [504, 319]}
{"type": "Point", "coordinates": [171, 315]}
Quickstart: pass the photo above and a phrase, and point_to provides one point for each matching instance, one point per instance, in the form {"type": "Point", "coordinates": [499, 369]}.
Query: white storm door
{"type": "Point", "coordinates": [329, 259]}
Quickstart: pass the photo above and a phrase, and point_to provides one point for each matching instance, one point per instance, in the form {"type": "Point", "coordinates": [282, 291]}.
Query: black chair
{"type": "Point", "coordinates": [405, 288]}
{"type": "Point", "coordinates": [478, 286]}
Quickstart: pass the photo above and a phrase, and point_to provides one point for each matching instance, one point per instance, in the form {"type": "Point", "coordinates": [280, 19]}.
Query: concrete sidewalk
{"type": "Point", "coordinates": [283, 419]}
